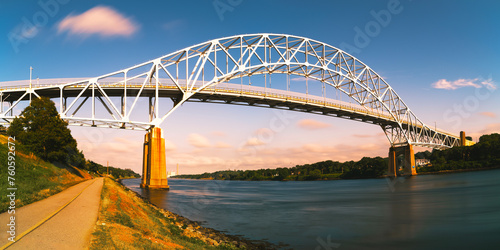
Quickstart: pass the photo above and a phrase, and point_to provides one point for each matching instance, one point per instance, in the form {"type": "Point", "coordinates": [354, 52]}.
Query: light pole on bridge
{"type": "Point", "coordinates": [31, 71]}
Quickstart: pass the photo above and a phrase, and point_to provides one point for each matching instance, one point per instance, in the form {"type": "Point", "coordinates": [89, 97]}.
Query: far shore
{"type": "Point", "coordinates": [380, 177]}
{"type": "Point", "coordinates": [458, 170]}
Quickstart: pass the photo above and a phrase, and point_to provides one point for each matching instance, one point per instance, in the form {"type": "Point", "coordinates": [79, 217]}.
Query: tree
{"type": "Point", "coordinates": [314, 175]}
{"type": "Point", "coordinates": [43, 132]}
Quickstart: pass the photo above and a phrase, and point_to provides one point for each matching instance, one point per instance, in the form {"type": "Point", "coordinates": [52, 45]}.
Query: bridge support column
{"type": "Point", "coordinates": [154, 169]}
{"type": "Point", "coordinates": [392, 171]}
{"type": "Point", "coordinates": [409, 167]}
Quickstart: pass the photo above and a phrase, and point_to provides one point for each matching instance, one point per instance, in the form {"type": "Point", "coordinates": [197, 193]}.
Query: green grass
{"type": "Point", "coordinates": [128, 222]}
{"type": "Point", "coordinates": [34, 178]}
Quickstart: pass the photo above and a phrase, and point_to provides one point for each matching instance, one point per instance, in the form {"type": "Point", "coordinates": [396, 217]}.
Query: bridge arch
{"type": "Point", "coordinates": [192, 71]}
{"type": "Point", "coordinates": [294, 55]}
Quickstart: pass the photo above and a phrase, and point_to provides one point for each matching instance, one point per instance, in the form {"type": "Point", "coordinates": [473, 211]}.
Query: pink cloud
{"type": "Point", "coordinates": [460, 83]}
{"type": "Point", "coordinates": [264, 132]}
{"type": "Point", "coordinates": [198, 141]}
{"type": "Point", "coordinates": [362, 135]}
{"type": "Point", "coordinates": [488, 114]}
{"type": "Point", "coordinates": [491, 128]}
{"type": "Point", "coordinates": [170, 146]}
{"type": "Point", "coordinates": [369, 147]}
{"type": "Point", "coordinates": [254, 142]}
{"type": "Point", "coordinates": [100, 20]}
{"type": "Point", "coordinates": [369, 135]}
{"type": "Point", "coordinates": [112, 151]}
{"type": "Point", "coordinates": [312, 124]}
{"type": "Point", "coordinates": [271, 157]}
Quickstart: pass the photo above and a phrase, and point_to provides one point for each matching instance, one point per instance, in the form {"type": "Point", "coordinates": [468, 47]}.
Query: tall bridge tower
{"type": "Point", "coordinates": [154, 168]}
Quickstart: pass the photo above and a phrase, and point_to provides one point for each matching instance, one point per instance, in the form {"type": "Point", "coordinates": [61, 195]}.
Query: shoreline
{"type": "Point", "coordinates": [361, 178]}
{"type": "Point", "coordinates": [208, 235]}
{"type": "Point", "coordinates": [458, 171]}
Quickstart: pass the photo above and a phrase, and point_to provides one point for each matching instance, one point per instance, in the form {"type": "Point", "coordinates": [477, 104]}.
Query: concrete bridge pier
{"type": "Point", "coordinates": [154, 168]}
{"type": "Point", "coordinates": [409, 167]}
{"type": "Point", "coordinates": [392, 171]}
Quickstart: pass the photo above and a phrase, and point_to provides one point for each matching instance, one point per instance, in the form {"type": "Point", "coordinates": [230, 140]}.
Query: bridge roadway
{"type": "Point", "coordinates": [228, 93]}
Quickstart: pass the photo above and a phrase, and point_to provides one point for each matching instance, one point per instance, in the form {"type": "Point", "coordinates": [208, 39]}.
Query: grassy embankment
{"type": "Point", "coordinates": [35, 179]}
{"type": "Point", "coordinates": [128, 222]}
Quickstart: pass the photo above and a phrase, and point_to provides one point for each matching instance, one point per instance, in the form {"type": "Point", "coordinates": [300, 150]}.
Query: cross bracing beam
{"type": "Point", "coordinates": [208, 72]}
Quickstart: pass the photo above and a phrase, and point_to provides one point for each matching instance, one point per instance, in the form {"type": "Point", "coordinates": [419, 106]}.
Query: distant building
{"type": "Point", "coordinates": [173, 173]}
{"type": "Point", "coordinates": [422, 162]}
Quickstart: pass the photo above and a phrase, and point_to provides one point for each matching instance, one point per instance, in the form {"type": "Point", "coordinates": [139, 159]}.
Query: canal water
{"type": "Point", "coordinates": [448, 211]}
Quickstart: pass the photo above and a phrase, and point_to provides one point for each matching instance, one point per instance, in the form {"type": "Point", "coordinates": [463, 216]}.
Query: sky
{"type": "Point", "coordinates": [441, 57]}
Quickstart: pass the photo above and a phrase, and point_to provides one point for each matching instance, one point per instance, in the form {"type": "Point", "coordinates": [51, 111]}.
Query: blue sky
{"type": "Point", "coordinates": [454, 45]}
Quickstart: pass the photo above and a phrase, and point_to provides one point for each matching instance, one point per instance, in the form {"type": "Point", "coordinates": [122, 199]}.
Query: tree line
{"type": "Point", "coordinates": [367, 167]}
{"type": "Point", "coordinates": [484, 154]}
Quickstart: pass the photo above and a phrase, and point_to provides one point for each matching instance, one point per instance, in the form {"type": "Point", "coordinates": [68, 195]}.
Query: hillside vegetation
{"type": "Point", "coordinates": [35, 179]}
{"type": "Point", "coordinates": [116, 173]}
{"type": "Point", "coordinates": [484, 154]}
{"type": "Point", "coordinates": [42, 157]}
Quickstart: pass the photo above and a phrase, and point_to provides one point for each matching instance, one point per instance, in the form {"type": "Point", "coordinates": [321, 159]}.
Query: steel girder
{"type": "Point", "coordinates": [189, 74]}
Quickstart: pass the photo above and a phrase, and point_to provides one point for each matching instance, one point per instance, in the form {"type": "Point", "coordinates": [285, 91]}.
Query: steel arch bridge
{"type": "Point", "coordinates": [206, 72]}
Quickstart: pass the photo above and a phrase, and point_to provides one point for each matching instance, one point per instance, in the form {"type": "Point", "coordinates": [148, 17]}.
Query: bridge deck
{"type": "Point", "coordinates": [226, 93]}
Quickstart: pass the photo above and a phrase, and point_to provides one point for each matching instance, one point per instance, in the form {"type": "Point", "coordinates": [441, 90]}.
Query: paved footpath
{"type": "Point", "coordinates": [68, 229]}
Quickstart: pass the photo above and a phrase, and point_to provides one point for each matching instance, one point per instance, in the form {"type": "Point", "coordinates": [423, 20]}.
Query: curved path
{"type": "Point", "coordinates": [70, 228]}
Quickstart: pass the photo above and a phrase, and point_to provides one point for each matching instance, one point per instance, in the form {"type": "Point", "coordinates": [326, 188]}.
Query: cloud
{"type": "Point", "coordinates": [460, 83]}
{"type": "Point", "coordinates": [488, 114]}
{"type": "Point", "coordinates": [100, 20]}
{"type": "Point", "coordinates": [312, 124]}
{"type": "Point", "coordinates": [362, 135]}
{"type": "Point", "coordinates": [174, 24]}
{"type": "Point", "coordinates": [369, 147]}
{"type": "Point", "coordinates": [121, 152]}
{"type": "Point", "coordinates": [369, 135]}
{"type": "Point", "coordinates": [298, 79]}
{"type": "Point", "coordinates": [198, 141]}
{"type": "Point", "coordinates": [264, 132]}
{"type": "Point", "coordinates": [315, 148]}
{"type": "Point", "coordinates": [272, 157]}
{"type": "Point", "coordinates": [253, 141]}
{"type": "Point", "coordinates": [491, 128]}
{"type": "Point", "coordinates": [170, 146]}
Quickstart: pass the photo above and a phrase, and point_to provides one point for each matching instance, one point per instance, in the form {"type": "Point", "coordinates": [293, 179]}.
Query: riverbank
{"type": "Point", "coordinates": [457, 171]}
{"type": "Point", "coordinates": [127, 220]}
{"type": "Point", "coordinates": [336, 176]}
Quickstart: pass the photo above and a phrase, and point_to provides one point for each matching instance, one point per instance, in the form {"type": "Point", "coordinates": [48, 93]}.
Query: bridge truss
{"type": "Point", "coordinates": [206, 72]}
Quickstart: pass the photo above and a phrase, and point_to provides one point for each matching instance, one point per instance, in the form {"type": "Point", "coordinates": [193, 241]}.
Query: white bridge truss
{"type": "Point", "coordinates": [207, 72]}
